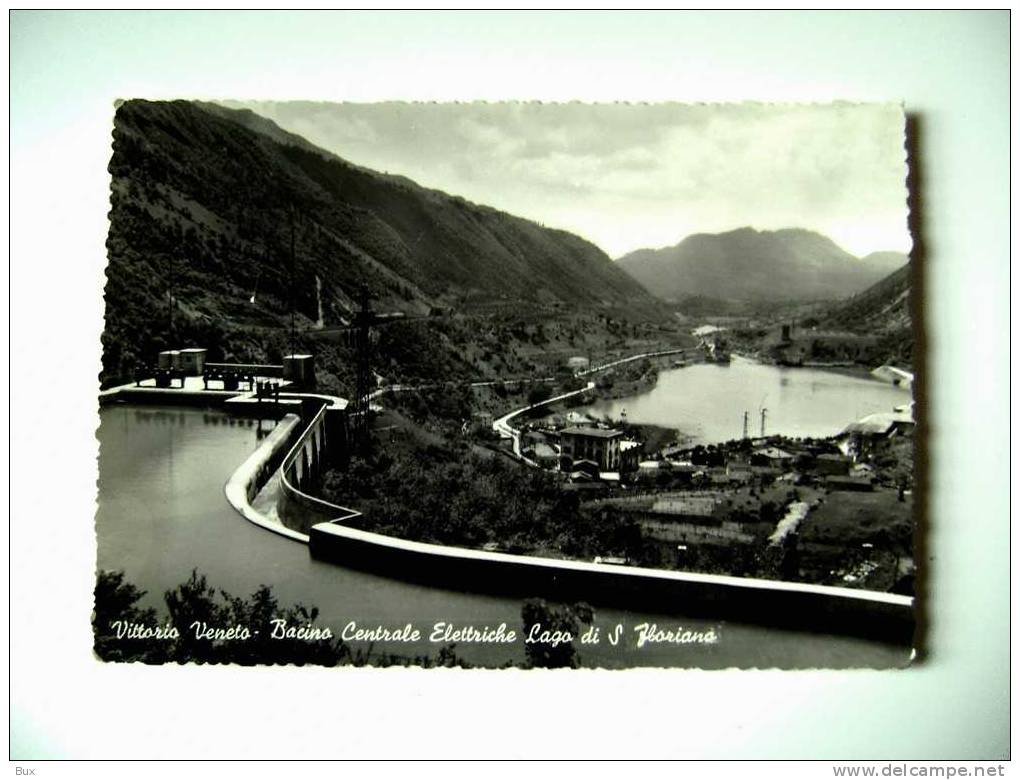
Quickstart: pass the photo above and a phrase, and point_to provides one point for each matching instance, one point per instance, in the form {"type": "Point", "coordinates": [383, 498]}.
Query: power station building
{"type": "Point", "coordinates": [601, 445]}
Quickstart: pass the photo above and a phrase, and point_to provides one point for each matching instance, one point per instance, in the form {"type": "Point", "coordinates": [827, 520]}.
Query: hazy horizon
{"type": "Point", "coordinates": [639, 176]}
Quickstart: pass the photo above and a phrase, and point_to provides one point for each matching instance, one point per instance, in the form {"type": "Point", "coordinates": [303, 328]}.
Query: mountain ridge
{"type": "Point", "coordinates": [882, 310]}
{"type": "Point", "coordinates": [206, 202]}
{"type": "Point", "coordinates": [757, 265]}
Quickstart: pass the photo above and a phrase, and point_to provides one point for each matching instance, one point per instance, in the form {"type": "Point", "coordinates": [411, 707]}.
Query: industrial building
{"type": "Point", "coordinates": [601, 445]}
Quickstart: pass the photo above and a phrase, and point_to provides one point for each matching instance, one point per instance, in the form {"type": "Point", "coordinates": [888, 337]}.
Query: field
{"type": "Point", "coordinates": [859, 540]}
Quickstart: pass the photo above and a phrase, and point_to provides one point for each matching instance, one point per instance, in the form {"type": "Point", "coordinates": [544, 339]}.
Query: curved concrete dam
{"type": "Point", "coordinates": [162, 512]}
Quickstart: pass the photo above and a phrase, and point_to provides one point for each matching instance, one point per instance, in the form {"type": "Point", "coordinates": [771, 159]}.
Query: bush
{"type": "Point", "coordinates": [539, 393]}
{"type": "Point", "coordinates": [559, 622]}
{"type": "Point", "coordinates": [439, 493]}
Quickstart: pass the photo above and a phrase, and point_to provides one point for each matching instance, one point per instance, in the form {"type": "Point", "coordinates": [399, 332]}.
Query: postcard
{"type": "Point", "coordinates": [508, 385]}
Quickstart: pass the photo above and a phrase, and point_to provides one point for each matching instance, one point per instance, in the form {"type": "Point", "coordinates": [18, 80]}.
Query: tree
{"type": "Point", "coordinates": [116, 600]}
{"type": "Point", "coordinates": [556, 623]}
{"type": "Point", "coordinates": [262, 631]}
{"type": "Point", "coordinates": [539, 393]}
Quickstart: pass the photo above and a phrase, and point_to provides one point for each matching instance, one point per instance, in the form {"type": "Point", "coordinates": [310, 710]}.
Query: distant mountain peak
{"type": "Point", "coordinates": [758, 265]}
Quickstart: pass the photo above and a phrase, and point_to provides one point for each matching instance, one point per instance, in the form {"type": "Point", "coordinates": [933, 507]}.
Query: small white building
{"type": "Point", "coordinates": [191, 361]}
{"type": "Point", "coordinates": [578, 363]}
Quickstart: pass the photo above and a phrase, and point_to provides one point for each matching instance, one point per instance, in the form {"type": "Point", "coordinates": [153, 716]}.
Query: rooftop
{"type": "Point", "coordinates": [773, 452]}
{"type": "Point", "coordinates": [879, 423]}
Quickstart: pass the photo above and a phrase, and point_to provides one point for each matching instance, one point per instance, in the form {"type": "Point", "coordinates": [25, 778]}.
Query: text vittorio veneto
{"type": "Point", "coordinates": [641, 635]}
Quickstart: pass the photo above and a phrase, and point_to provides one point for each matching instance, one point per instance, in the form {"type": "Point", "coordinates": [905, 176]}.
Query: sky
{"type": "Point", "coordinates": [633, 176]}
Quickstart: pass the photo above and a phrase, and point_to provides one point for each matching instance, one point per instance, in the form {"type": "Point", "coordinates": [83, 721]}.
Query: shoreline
{"type": "Point", "coordinates": [633, 390]}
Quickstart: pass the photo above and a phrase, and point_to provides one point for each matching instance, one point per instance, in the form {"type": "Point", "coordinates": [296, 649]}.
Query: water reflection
{"type": "Point", "coordinates": [706, 403]}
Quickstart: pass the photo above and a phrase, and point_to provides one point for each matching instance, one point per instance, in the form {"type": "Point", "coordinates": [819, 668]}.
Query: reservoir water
{"type": "Point", "coordinates": [162, 512]}
{"type": "Point", "coordinates": [706, 402]}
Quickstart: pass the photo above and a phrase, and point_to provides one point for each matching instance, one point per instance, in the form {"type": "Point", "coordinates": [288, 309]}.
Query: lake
{"type": "Point", "coordinates": [162, 512]}
{"type": "Point", "coordinates": [706, 401]}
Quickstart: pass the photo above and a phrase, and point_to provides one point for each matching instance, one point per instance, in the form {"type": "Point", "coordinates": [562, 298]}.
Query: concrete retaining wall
{"type": "Point", "coordinates": [253, 475]}
{"type": "Point", "coordinates": [322, 441]}
{"type": "Point", "coordinates": [813, 608]}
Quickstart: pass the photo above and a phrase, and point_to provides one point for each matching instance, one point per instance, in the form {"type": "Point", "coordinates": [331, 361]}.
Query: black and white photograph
{"type": "Point", "coordinates": [508, 385]}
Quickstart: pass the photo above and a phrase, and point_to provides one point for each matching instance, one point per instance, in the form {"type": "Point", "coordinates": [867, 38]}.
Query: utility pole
{"type": "Point", "coordinates": [745, 423]}
{"type": "Point", "coordinates": [764, 412]}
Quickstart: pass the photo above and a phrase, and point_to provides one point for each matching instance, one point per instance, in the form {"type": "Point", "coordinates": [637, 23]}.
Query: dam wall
{"type": "Point", "coordinates": [320, 446]}
{"type": "Point", "coordinates": [256, 472]}
{"type": "Point", "coordinates": [816, 608]}
{"type": "Point", "coordinates": [302, 451]}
